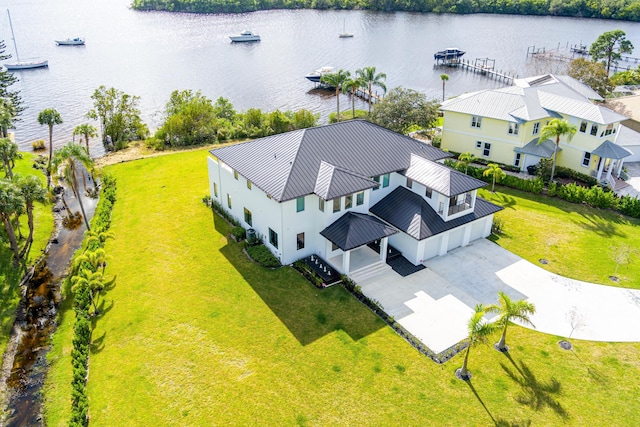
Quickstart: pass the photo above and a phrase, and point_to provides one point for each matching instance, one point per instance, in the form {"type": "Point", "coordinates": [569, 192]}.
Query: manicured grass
{"type": "Point", "coordinates": [197, 334]}
{"type": "Point", "coordinates": [10, 276]}
{"type": "Point", "coordinates": [577, 241]}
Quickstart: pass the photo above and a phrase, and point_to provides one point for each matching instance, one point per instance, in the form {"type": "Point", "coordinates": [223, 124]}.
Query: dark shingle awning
{"type": "Point", "coordinates": [353, 230]}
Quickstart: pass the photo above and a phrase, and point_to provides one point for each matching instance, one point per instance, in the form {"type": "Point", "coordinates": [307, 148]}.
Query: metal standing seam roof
{"type": "Point", "coordinates": [335, 182]}
{"type": "Point", "coordinates": [286, 166]}
{"type": "Point", "coordinates": [441, 178]}
{"type": "Point", "coordinates": [544, 149]}
{"type": "Point", "coordinates": [581, 109]}
{"type": "Point", "coordinates": [610, 150]}
{"type": "Point", "coordinates": [410, 213]}
{"type": "Point", "coordinates": [353, 230]}
{"type": "Point", "coordinates": [627, 136]}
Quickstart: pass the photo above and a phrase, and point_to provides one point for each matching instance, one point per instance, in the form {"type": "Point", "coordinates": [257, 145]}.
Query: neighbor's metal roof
{"type": "Point", "coordinates": [410, 213]}
{"type": "Point", "coordinates": [353, 230]}
{"type": "Point", "coordinates": [286, 166]}
{"type": "Point", "coordinates": [441, 178]}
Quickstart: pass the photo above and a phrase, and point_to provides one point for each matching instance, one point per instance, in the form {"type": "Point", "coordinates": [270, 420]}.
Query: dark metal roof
{"type": "Point", "coordinates": [353, 230]}
{"type": "Point", "coordinates": [410, 213]}
{"type": "Point", "coordinates": [286, 166]}
{"type": "Point", "coordinates": [335, 182]}
{"type": "Point", "coordinates": [544, 149]}
{"type": "Point", "coordinates": [609, 150]}
{"type": "Point", "coordinates": [441, 178]}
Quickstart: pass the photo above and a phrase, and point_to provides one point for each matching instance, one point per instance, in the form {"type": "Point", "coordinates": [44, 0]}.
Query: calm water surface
{"type": "Point", "coordinates": [150, 54]}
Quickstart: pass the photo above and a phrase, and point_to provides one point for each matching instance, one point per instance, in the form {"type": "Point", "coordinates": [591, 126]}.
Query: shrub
{"type": "Point", "coordinates": [238, 233]}
{"type": "Point", "coordinates": [38, 145]}
{"type": "Point", "coordinates": [263, 256]}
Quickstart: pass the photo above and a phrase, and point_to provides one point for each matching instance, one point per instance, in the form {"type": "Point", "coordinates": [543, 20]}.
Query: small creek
{"type": "Point", "coordinates": [24, 364]}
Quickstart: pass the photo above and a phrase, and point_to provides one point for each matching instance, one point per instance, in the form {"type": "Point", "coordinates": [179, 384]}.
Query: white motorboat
{"type": "Point", "coordinates": [316, 75]}
{"type": "Point", "coordinates": [77, 41]}
{"type": "Point", "coordinates": [245, 36]}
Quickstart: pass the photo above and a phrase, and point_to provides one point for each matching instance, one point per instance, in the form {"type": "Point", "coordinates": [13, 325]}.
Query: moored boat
{"type": "Point", "coordinates": [25, 65]}
{"type": "Point", "coordinates": [245, 36]}
{"type": "Point", "coordinates": [316, 75]}
{"type": "Point", "coordinates": [450, 53]}
{"type": "Point", "coordinates": [76, 41]}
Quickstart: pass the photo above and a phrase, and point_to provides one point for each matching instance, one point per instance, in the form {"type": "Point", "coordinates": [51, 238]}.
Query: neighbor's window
{"type": "Point", "coordinates": [273, 238]}
{"type": "Point", "coordinates": [385, 180]}
{"type": "Point", "coordinates": [360, 198]}
{"type": "Point", "coordinates": [376, 179]}
{"type": "Point", "coordinates": [321, 204]}
{"type": "Point", "coordinates": [229, 200]}
{"type": "Point", "coordinates": [248, 218]}
{"type": "Point", "coordinates": [249, 184]}
{"type": "Point", "coordinates": [235, 174]}
{"type": "Point", "coordinates": [586, 159]}
{"type": "Point", "coordinates": [299, 204]}
{"type": "Point", "coordinates": [486, 151]}
{"type": "Point", "coordinates": [594, 129]}
{"type": "Point", "coordinates": [428, 193]}
{"type": "Point", "coordinates": [514, 128]}
{"type": "Point", "coordinates": [409, 183]}
{"type": "Point", "coordinates": [536, 128]}
{"type": "Point", "coordinates": [476, 122]}
{"type": "Point", "coordinates": [348, 201]}
{"type": "Point", "coordinates": [336, 204]}
{"type": "Point", "coordinates": [300, 241]}
{"type": "Point", "coordinates": [215, 189]}
{"type": "Point", "coordinates": [583, 126]}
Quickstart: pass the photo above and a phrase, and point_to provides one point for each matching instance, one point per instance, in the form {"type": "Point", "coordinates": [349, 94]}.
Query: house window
{"type": "Point", "coordinates": [300, 241]}
{"type": "Point", "coordinates": [360, 198]}
{"type": "Point", "coordinates": [229, 200]}
{"type": "Point", "coordinates": [385, 180]}
{"type": "Point", "coordinates": [536, 128]}
{"type": "Point", "coordinates": [409, 183]}
{"type": "Point", "coordinates": [594, 129]}
{"type": "Point", "coordinates": [586, 159]}
{"type": "Point", "coordinates": [248, 218]}
{"type": "Point", "coordinates": [608, 130]}
{"type": "Point", "coordinates": [376, 179]}
{"type": "Point", "coordinates": [348, 201]}
{"type": "Point", "coordinates": [514, 128]}
{"type": "Point", "coordinates": [516, 161]}
{"type": "Point", "coordinates": [273, 238]}
{"type": "Point", "coordinates": [215, 189]}
{"type": "Point", "coordinates": [299, 204]}
{"type": "Point", "coordinates": [478, 144]}
{"type": "Point", "coordinates": [428, 193]}
{"type": "Point", "coordinates": [476, 122]}
{"type": "Point", "coordinates": [336, 205]}
{"type": "Point", "coordinates": [235, 174]}
{"type": "Point", "coordinates": [321, 204]}
{"type": "Point", "coordinates": [249, 184]}
{"type": "Point", "coordinates": [486, 151]}
{"type": "Point", "coordinates": [334, 247]}
{"type": "Point", "coordinates": [583, 126]}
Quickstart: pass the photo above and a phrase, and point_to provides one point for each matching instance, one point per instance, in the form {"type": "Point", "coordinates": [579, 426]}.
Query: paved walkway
{"type": "Point", "coordinates": [633, 170]}
{"type": "Point", "coordinates": [436, 303]}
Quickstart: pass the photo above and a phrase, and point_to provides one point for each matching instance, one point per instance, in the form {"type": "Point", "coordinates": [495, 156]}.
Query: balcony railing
{"type": "Point", "coordinates": [460, 207]}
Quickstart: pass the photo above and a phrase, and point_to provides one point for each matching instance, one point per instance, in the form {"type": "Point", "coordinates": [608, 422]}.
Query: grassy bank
{"type": "Point", "coordinates": [198, 335]}
{"type": "Point", "coordinates": [10, 276]}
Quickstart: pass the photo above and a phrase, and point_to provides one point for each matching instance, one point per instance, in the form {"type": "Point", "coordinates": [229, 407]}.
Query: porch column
{"type": "Point", "coordinates": [346, 257]}
{"type": "Point", "coordinates": [467, 235]}
{"type": "Point", "coordinates": [619, 167]}
{"type": "Point", "coordinates": [384, 245]}
{"type": "Point", "coordinates": [610, 170]}
{"type": "Point", "coordinates": [601, 168]}
{"type": "Point", "coordinates": [444, 243]}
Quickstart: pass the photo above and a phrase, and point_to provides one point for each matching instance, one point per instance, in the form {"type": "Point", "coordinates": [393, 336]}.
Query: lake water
{"type": "Point", "coordinates": [150, 54]}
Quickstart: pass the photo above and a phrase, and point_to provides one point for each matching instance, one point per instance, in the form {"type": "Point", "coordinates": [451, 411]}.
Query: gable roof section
{"type": "Point", "coordinates": [286, 166]}
{"type": "Point", "coordinates": [609, 150]}
{"type": "Point", "coordinates": [545, 149]}
{"type": "Point", "coordinates": [441, 178]}
{"type": "Point", "coordinates": [410, 213]}
{"type": "Point", "coordinates": [581, 109]}
{"type": "Point", "coordinates": [353, 230]}
{"type": "Point", "coordinates": [333, 182]}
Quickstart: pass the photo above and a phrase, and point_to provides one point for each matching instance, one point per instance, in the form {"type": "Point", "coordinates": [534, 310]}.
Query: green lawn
{"type": "Point", "coordinates": [9, 275]}
{"type": "Point", "coordinates": [198, 335]}
{"type": "Point", "coordinates": [577, 241]}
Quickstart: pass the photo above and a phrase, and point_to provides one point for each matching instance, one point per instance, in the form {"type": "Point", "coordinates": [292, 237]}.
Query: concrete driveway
{"type": "Point", "coordinates": [436, 303]}
{"type": "Point", "coordinates": [633, 170]}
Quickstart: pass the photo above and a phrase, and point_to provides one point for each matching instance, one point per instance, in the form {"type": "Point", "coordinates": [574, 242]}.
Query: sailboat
{"type": "Point", "coordinates": [344, 34]}
{"type": "Point", "coordinates": [22, 65]}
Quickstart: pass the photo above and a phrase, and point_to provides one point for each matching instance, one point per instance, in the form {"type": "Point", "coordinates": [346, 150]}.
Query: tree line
{"type": "Point", "coordinates": [628, 10]}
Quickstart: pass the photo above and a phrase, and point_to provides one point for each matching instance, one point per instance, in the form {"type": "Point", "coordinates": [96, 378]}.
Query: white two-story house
{"type": "Point", "coordinates": [503, 125]}
{"type": "Point", "coordinates": [334, 189]}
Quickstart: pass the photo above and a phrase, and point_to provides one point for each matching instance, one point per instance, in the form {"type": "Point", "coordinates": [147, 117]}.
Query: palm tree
{"type": "Point", "coordinates": [49, 117]}
{"type": "Point", "coordinates": [65, 164]}
{"type": "Point", "coordinates": [444, 78]}
{"type": "Point", "coordinates": [98, 237]}
{"type": "Point", "coordinates": [371, 79]}
{"type": "Point", "coordinates": [8, 155]}
{"type": "Point", "coordinates": [11, 203]}
{"type": "Point", "coordinates": [32, 191]}
{"type": "Point", "coordinates": [479, 331]}
{"type": "Point", "coordinates": [509, 310]}
{"type": "Point", "coordinates": [88, 131]}
{"type": "Point", "coordinates": [93, 281]}
{"type": "Point", "coordinates": [555, 129]}
{"type": "Point", "coordinates": [496, 174]}
{"type": "Point", "coordinates": [465, 159]}
{"type": "Point", "coordinates": [351, 86]}
{"type": "Point", "coordinates": [96, 259]}
{"type": "Point", "coordinates": [336, 80]}
{"type": "Point", "coordinates": [7, 114]}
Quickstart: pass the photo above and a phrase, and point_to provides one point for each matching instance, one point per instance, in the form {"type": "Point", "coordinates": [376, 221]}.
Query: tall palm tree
{"type": "Point", "coordinates": [371, 79]}
{"type": "Point", "coordinates": [555, 129]}
{"type": "Point", "coordinates": [11, 203]}
{"type": "Point", "coordinates": [465, 159]}
{"type": "Point", "coordinates": [8, 155]}
{"type": "Point", "coordinates": [510, 310]}
{"type": "Point", "coordinates": [86, 130]}
{"type": "Point", "coordinates": [496, 174]}
{"type": "Point", "coordinates": [336, 80]}
{"type": "Point", "coordinates": [479, 331]}
{"type": "Point", "coordinates": [32, 191]}
{"type": "Point", "coordinates": [65, 164]}
{"type": "Point", "coordinates": [49, 117]}
{"type": "Point", "coordinates": [351, 86]}
{"type": "Point", "coordinates": [444, 78]}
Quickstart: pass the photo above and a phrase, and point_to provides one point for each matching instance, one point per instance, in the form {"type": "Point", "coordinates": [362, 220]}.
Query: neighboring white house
{"type": "Point", "coordinates": [332, 190]}
{"type": "Point", "coordinates": [504, 125]}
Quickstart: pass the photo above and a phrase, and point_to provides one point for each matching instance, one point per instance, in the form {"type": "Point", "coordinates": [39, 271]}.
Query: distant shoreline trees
{"type": "Point", "coordinates": [626, 10]}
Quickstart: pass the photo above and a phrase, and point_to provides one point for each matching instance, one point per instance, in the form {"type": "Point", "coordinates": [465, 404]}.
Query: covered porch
{"type": "Point", "coordinates": [610, 163]}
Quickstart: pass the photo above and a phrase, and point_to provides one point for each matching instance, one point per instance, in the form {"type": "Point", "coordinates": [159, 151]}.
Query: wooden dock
{"type": "Point", "coordinates": [484, 66]}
